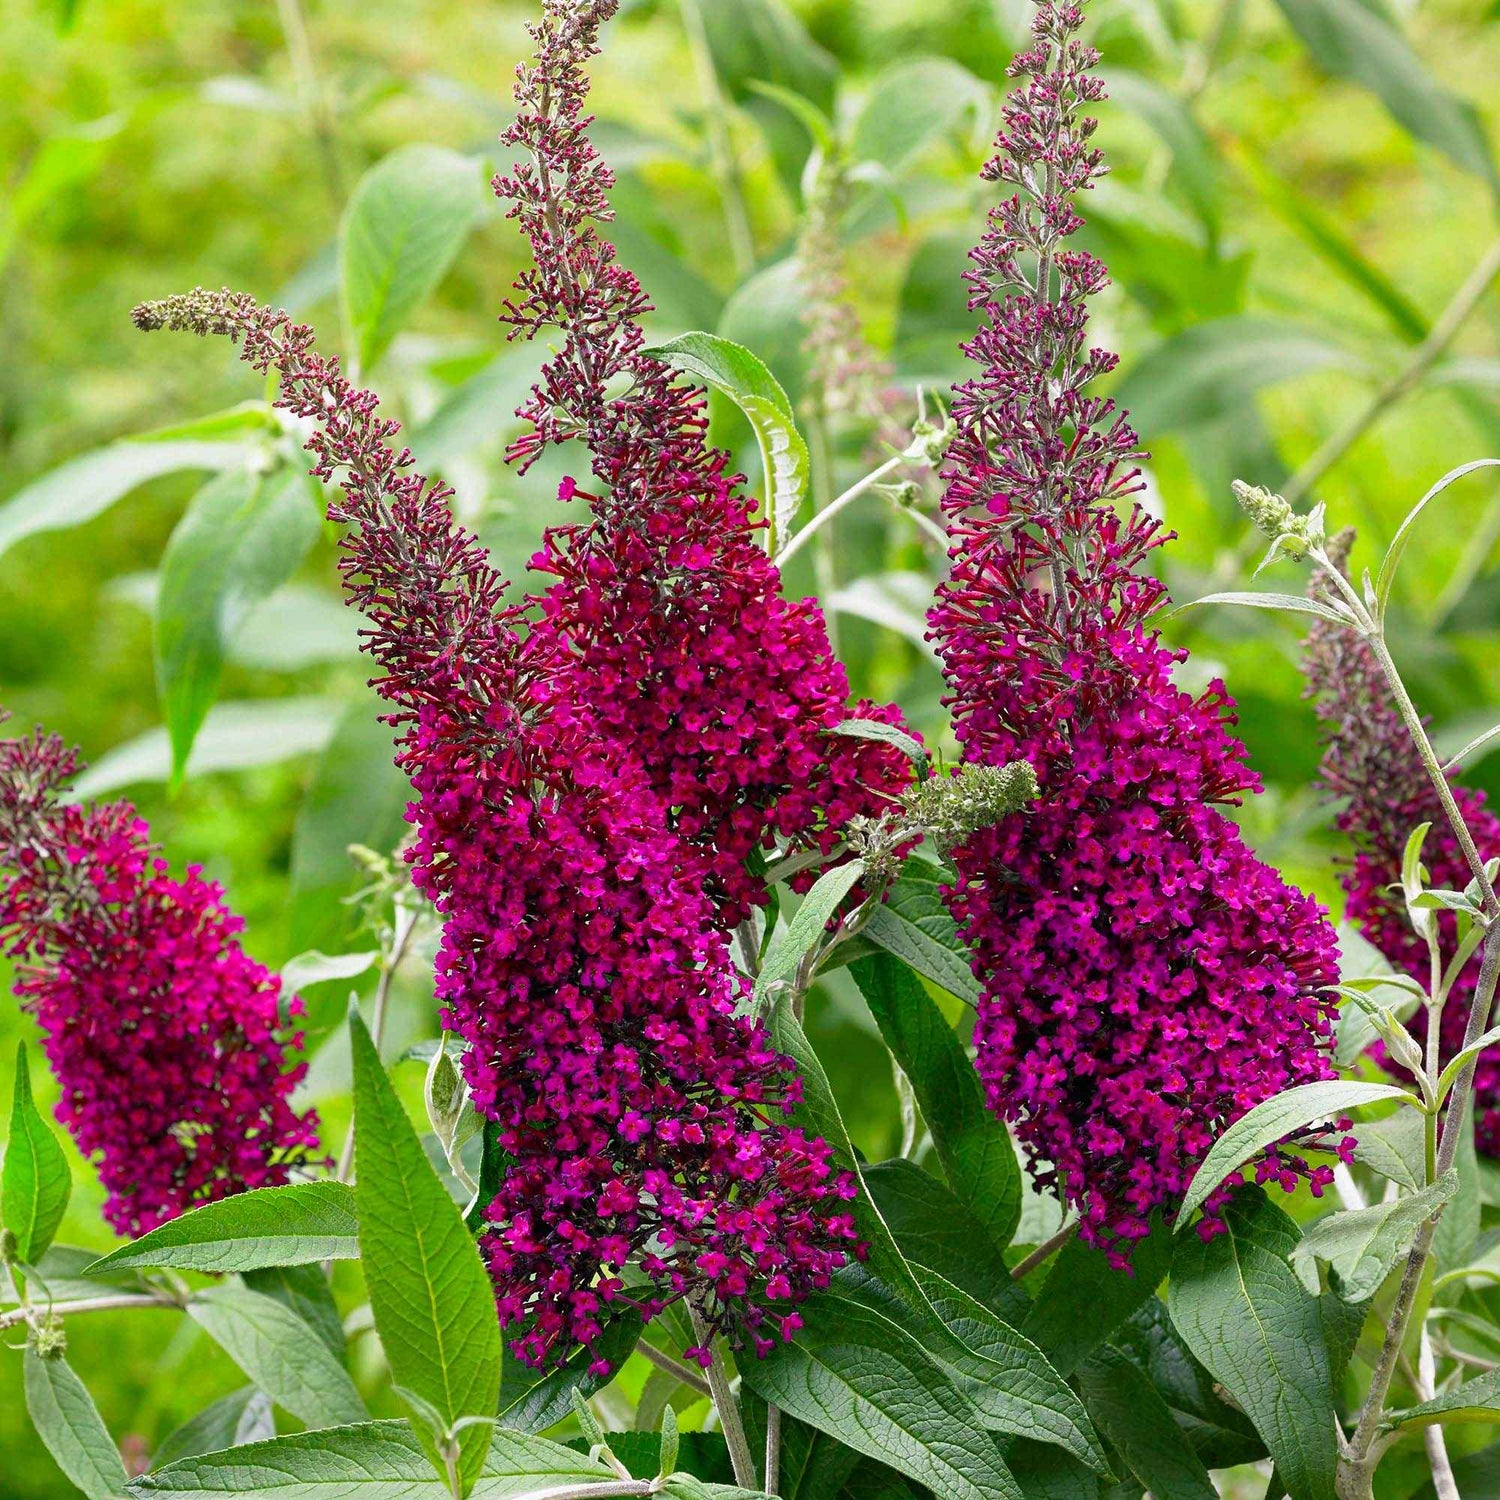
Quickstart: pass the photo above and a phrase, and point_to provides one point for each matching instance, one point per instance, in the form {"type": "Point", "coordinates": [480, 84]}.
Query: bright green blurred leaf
{"type": "Point", "coordinates": [910, 105]}
{"type": "Point", "coordinates": [35, 1182]}
{"type": "Point", "coordinates": [243, 1416]}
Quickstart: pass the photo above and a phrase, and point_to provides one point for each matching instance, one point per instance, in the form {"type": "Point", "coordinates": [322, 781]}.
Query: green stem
{"type": "Point", "coordinates": [26, 1311]}
{"type": "Point", "coordinates": [1023, 1268]}
{"type": "Point", "coordinates": [740, 1458]}
{"type": "Point", "coordinates": [674, 1367]}
{"type": "Point", "coordinates": [773, 1449]}
{"type": "Point", "coordinates": [823, 516]}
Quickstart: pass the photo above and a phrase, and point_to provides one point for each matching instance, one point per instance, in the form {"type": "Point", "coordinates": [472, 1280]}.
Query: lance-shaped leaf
{"type": "Point", "coordinates": [913, 923]}
{"type": "Point", "coordinates": [373, 1461]}
{"type": "Point", "coordinates": [1475, 1400]}
{"type": "Point", "coordinates": [280, 1353]}
{"type": "Point", "coordinates": [243, 1416]}
{"type": "Point", "coordinates": [807, 927]}
{"type": "Point", "coordinates": [1363, 1245]}
{"type": "Point", "coordinates": [433, 1304]}
{"type": "Point", "coordinates": [973, 1145]}
{"type": "Point", "coordinates": [891, 734]}
{"type": "Point", "coordinates": [1391, 562]}
{"type": "Point", "coordinates": [1272, 1121]}
{"type": "Point", "coordinates": [69, 1424]}
{"type": "Point", "coordinates": [35, 1182]}
{"type": "Point", "coordinates": [292, 1225]}
{"type": "Point", "coordinates": [734, 370]}
{"type": "Point", "coordinates": [1241, 1310]}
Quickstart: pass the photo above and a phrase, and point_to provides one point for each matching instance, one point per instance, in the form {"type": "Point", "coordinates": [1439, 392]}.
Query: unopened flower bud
{"type": "Point", "coordinates": [1293, 535]}
{"type": "Point", "coordinates": [953, 808]}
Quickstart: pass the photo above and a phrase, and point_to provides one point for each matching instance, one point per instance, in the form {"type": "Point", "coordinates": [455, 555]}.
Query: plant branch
{"type": "Point", "coordinates": [1443, 1483]}
{"type": "Point", "coordinates": [674, 1367]}
{"type": "Point", "coordinates": [26, 1312]}
{"type": "Point", "coordinates": [725, 1404]}
{"type": "Point", "coordinates": [1417, 364]}
{"type": "Point", "coordinates": [590, 1491]}
{"type": "Point", "coordinates": [822, 517]}
{"type": "Point", "coordinates": [1023, 1268]}
{"type": "Point", "coordinates": [773, 1449]}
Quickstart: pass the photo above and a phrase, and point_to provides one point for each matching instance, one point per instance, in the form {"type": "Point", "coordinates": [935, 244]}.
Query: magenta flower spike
{"type": "Point", "coordinates": [169, 1041]}
{"type": "Point", "coordinates": [1146, 979]}
{"type": "Point", "coordinates": [726, 691]}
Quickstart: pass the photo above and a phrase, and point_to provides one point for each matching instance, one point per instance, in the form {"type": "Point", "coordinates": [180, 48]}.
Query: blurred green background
{"type": "Point", "coordinates": [1301, 224]}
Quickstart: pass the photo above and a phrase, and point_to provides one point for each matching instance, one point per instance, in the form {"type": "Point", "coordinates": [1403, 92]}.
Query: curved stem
{"type": "Point", "coordinates": [829, 511]}
{"type": "Point", "coordinates": [1443, 1482]}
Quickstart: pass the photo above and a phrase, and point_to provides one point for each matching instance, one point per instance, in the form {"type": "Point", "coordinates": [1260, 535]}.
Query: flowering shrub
{"type": "Point", "coordinates": [651, 846]}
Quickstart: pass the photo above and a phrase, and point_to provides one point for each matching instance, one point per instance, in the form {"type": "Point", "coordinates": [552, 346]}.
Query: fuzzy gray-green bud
{"type": "Point", "coordinates": [1291, 535]}
{"type": "Point", "coordinates": [953, 808]}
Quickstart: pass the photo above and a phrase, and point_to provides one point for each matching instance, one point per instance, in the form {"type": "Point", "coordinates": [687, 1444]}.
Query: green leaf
{"type": "Point", "coordinates": [405, 223]}
{"type": "Point", "coordinates": [1395, 1147]}
{"type": "Point", "coordinates": [539, 1399]}
{"type": "Point", "coordinates": [1212, 370]}
{"type": "Point", "coordinates": [973, 1146]}
{"type": "Point", "coordinates": [1392, 560]}
{"type": "Point", "coordinates": [1296, 604]}
{"type": "Point", "coordinates": [734, 370]}
{"type": "Point", "coordinates": [1084, 1298]}
{"type": "Point", "coordinates": [305, 1291]}
{"type": "Point", "coordinates": [35, 1182]}
{"type": "Point", "coordinates": [1475, 1400]}
{"type": "Point", "coordinates": [1363, 1245]}
{"type": "Point", "coordinates": [913, 923]}
{"type": "Point", "coordinates": [807, 927]}
{"type": "Point", "coordinates": [1195, 171]}
{"type": "Point", "coordinates": [910, 105]}
{"type": "Point", "coordinates": [1246, 1317]}
{"type": "Point", "coordinates": [1456, 1063]}
{"type": "Point", "coordinates": [1273, 1121]}
{"type": "Point", "coordinates": [433, 1304]}
{"type": "Point", "coordinates": [273, 1226]}
{"type": "Point", "coordinates": [242, 536]}
{"type": "Point", "coordinates": [68, 1422]}
{"type": "Point", "coordinates": [87, 486]}
{"type": "Point", "coordinates": [765, 314]}
{"type": "Point", "coordinates": [280, 1353]}
{"type": "Point", "coordinates": [243, 1416]}
{"type": "Point", "coordinates": [1351, 40]}
{"type": "Point", "coordinates": [891, 734]}
{"type": "Point", "coordinates": [313, 967]}
{"type": "Point", "coordinates": [854, 1375]}
{"type": "Point", "coordinates": [373, 1461]}
{"type": "Point", "coordinates": [1131, 1413]}
{"type": "Point", "coordinates": [234, 737]}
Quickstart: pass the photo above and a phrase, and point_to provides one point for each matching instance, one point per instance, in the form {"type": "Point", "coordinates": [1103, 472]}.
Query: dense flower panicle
{"type": "Point", "coordinates": [643, 1114]}
{"type": "Point", "coordinates": [726, 691]}
{"type": "Point", "coordinates": [1146, 978]}
{"type": "Point", "coordinates": [169, 1041]}
{"type": "Point", "coordinates": [1371, 763]}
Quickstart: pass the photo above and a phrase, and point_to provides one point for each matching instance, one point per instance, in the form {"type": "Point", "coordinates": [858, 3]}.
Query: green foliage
{"type": "Point", "coordinates": [35, 1182]}
{"type": "Point", "coordinates": [68, 1422]}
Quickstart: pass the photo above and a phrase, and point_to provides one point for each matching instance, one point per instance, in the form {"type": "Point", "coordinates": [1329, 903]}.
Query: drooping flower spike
{"type": "Point", "coordinates": [1371, 764]}
{"type": "Point", "coordinates": [727, 692]}
{"type": "Point", "coordinates": [644, 1115]}
{"type": "Point", "coordinates": [169, 1041]}
{"type": "Point", "coordinates": [1146, 979]}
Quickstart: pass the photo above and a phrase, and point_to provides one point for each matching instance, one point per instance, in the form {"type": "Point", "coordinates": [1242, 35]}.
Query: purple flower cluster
{"type": "Point", "coordinates": [169, 1041]}
{"type": "Point", "coordinates": [644, 1114]}
{"type": "Point", "coordinates": [1370, 762]}
{"type": "Point", "coordinates": [688, 653]}
{"type": "Point", "coordinates": [1146, 978]}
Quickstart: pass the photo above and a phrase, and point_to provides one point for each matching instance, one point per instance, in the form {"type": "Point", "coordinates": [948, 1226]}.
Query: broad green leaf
{"type": "Point", "coordinates": [433, 1304]}
{"type": "Point", "coordinates": [1195, 171]}
{"type": "Point", "coordinates": [234, 736]}
{"type": "Point", "coordinates": [1241, 1310]}
{"type": "Point", "coordinates": [1363, 1245]}
{"type": "Point", "coordinates": [84, 487]}
{"type": "Point", "coordinates": [913, 923]}
{"type": "Point", "coordinates": [480, 410]}
{"type": "Point", "coordinates": [243, 1416]}
{"type": "Point", "coordinates": [280, 1354]}
{"type": "Point", "coordinates": [807, 927]}
{"type": "Point", "coordinates": [242, 536]}
{"type": "Point", "coordinates": [1352, 40]}
{"type": "Point", "coordinates": [35, 1182]}
{"type": "Point", "coordinates": [243, 417]}
{"type": "Point", "coordinates": [357, 796]}
{"type": "Point", "coordinates": [740, 375]}
{"type": "Point", "coordinates": [1394, 553]}
{"type": "Point", "coordinates": [1395, 1147]}
{"type": "Point", "coordinates": [60, 1276]}
{"type": "Point", "coordinates": [1084, 1298]}
{"type": "Point", "coordinates": [765, 314]}
{"type": "Point", "coordinates": [68, 1423]}
{"type": "Point", "coordinates": [935, 1229]}
{"type": "Point", "coordinates": [273, 1226]}
{"type": "Point", "coordinates": [973, 1145]}
{"type": "Point", "coordinates": [1131, 1413]}
{"type": "Point", "coordinates": [370, 1461]}
{"type": "Point", "coordinates": [313, 967]}
{"type": "Point", "coordinates": [1359, 964]}
{"type": "Point", "coordinates": [305, 1291]}
{"type": "Point", "coordinates": [855, 1375]}
{"type": "Point", "coordinates": [538, 1399]}
{"type": "Point", "coordinates": [889, 734]}
{"type": "Point", "coordinates": [1273, 1121]}
{"type": "Point", "coordinates": [1475, 1400]}
{"type": "Point", "coordinates": [910, 105]}
{"type": "Point", "coordinates": [405, 223]}
{"type": "Point", "coordinates": [1212, 370]}
{"type": "Point", "coordinates": [1049, 1474]}
{"type": "Point", "coordinates": [895, 601]}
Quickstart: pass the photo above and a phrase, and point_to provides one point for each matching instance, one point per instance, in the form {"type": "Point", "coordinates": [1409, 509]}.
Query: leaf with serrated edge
{"type": "Point", "coordinates": [1248, 1320]}
{"type": "Point", "coordinates": [1363, 1245]}
{"type": "Point", "coordinates": [35, 1182]}
{"type": "Point", "coordinates": [1274, 1120]}
{"type": "Point", "coordinates": [1476, 1401]}
{"type": "Point", "coordinates": [914, 925]}
{"type": "Point", "coordinates": [433, 1303]}
{"type": "Point", "coordinates": [68, 1423]}
{"type": "Point", "coordinates": [280, 1353]}
{"type": "Point", "coordinates": [292, 1225]}
{"type": "Point", "coordinates": [807, 927]}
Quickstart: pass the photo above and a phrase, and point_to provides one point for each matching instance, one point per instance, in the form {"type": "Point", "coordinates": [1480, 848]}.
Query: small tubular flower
{"type": "Point", "coordinates": [169, 1041]}
{"type": "Point", "coordinates": [1146, 979]}
{"type": "Point", "coordinates": [726, 691]}
{"type": "Point", "coordinates": [643, 1112]}
{"type": "Point", "coordinates": [1371, 764]}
